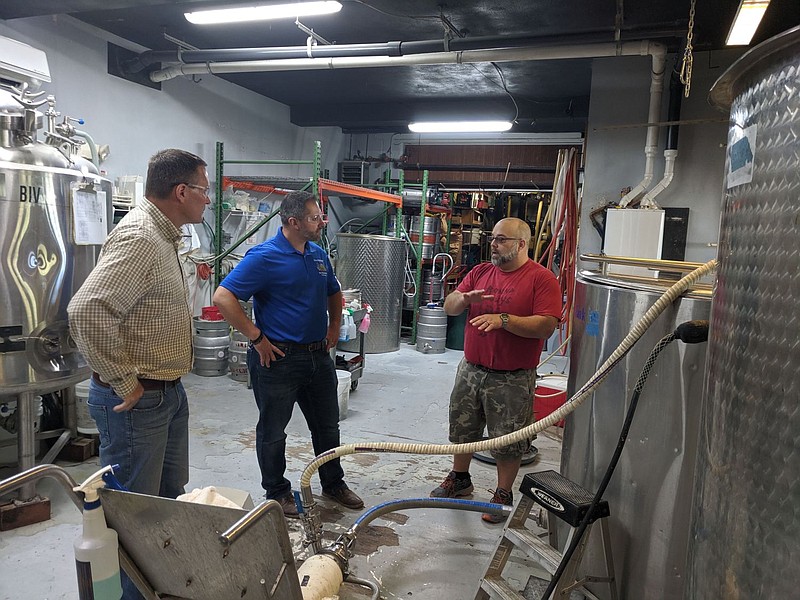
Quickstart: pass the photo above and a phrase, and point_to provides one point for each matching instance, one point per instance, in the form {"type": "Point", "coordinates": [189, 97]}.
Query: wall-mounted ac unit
{"type": "Point", "coordinates": [354, 172]}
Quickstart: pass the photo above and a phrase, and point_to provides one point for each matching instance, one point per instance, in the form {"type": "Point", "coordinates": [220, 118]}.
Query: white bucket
{"type": "Point", "coordinates": [343, 392]}
{"type": "Point", "coordinates": [86, 424]}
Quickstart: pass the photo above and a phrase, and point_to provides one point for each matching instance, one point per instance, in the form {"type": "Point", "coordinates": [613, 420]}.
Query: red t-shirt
{"type": "Point", "coordinates": [530, 290]}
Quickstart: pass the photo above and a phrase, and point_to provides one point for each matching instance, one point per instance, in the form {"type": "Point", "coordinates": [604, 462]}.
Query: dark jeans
{"type": "Point", "coordinates": [308, 379]}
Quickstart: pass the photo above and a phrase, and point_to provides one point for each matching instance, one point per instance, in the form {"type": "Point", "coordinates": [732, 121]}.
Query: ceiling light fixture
{"type": "Point", "coordinates": [459, 126]}
{"type": "Point", "coordinates": [747, 19]}
{"type": "Point", "coordinates": [262, 12]}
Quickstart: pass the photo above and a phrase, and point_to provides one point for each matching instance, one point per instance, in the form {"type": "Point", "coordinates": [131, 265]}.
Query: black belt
{"type": "Point", "coordinates": [149, 385]}
{"type": "Point", "coordinates": [295, 347]}
{"type": "Point", "coordinates": [497, 371]}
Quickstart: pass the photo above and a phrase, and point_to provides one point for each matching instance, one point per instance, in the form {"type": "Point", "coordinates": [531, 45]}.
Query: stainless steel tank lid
{"type": "Point", "coordinates": [12, 114]}
{"type": "Point", "coordinates": [729, 85]}
{"type": "Point", "coordinates": [656, 287]}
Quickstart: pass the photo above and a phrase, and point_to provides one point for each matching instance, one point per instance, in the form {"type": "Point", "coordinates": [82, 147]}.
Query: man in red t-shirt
{"type": "Point", "coordinates": [514, 305]}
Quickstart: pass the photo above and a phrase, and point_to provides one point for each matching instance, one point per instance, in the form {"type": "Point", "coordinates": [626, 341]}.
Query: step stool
{"type": "Point", "coordinates": [567, 501]}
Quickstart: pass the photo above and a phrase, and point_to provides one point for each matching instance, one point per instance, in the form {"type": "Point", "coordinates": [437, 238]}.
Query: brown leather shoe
{"type": "Point", "coordinates": [288, 506]}
{"type": "Point", "coordinates": [346, 497]}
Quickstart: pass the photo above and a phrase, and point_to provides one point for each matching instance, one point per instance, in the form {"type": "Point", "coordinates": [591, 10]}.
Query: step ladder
{"type": "Point", "coordinates": [565, 500]}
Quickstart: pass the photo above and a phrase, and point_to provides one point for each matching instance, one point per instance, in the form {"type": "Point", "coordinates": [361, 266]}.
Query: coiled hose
{"type": "Point", "coordinates": [313, 533]}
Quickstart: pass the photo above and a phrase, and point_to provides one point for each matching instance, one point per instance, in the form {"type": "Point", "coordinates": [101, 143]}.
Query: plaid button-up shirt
{"type": "Point", "coordinates": [131, 318]}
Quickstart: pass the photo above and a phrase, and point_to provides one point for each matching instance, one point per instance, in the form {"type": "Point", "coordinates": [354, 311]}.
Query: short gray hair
{"type": "Point", "coordinates": [294, 205]}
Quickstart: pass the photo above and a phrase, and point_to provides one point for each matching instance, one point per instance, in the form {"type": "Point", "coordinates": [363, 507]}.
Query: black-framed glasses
{"type": "Point", "coordinates": [501, 239]}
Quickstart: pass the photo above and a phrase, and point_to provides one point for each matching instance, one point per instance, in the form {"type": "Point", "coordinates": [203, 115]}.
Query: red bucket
{"type": "Point", "coordinates": [211, 313]}
{"type": "Point", "coordinates": [548, 400]}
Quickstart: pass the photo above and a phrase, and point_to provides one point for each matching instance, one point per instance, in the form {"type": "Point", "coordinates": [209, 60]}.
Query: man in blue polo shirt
{"type": "Point", "coordinates": [291, 281]}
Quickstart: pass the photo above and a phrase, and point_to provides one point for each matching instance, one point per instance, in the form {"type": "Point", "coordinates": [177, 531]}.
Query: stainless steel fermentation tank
{"type": "Point", "coordinates": [650, 493]}
{"type": "Point", "coordinates": [746, 510]}
{"type": "Point", "coordinates": [374, 264]}
{"type": "Point", "coordinates": [41, 266]}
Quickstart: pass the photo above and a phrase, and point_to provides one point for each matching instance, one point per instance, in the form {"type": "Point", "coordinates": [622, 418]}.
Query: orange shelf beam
{"type": "Point", "coordinates": [327, 186]}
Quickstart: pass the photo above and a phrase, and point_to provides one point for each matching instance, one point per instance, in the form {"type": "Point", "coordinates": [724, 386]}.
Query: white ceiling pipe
{"type": "Point", "coordinates": [669, 172]}
{"type": "Point", "coordinates": [641, 48]}
{"type": "Point", "coordinates": [653, 113]}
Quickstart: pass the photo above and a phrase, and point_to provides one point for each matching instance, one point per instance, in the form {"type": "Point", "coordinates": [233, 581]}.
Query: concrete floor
{"type": "Point", "coordinates": [402, 397]}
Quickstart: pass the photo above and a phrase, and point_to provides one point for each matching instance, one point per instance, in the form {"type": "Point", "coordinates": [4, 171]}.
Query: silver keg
{"type": "Point", "coordinates": [210, 342]}
{"type": "Point", "coordinates": [431, 290]}
{"type": "Point", "coordinates": [431, 330]}
{"type": "Point", "coordinates": [237, 356]}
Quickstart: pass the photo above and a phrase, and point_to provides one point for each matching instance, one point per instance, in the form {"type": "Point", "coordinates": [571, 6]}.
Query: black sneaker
{"type": "Point", "coordinates": [453, 488]}
{"type": "Point", "coordinates": [500, 496]}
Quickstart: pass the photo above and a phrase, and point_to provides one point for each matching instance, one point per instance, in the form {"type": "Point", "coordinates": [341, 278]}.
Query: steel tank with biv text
{"type": "Point", "coordinates": [42, 263]}
{"type": "Point", "coordinates": [374, 264]}
{"type": "Point", "coordinates": [746, 509]}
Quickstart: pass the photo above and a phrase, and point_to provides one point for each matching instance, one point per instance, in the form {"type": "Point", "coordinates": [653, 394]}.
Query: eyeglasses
{"type": "Point", "coordinates": [205, 190]}
{"type": "Point", "coordinates": [316, 218]}
{"type": "Point", "coordinates": [500, 239]}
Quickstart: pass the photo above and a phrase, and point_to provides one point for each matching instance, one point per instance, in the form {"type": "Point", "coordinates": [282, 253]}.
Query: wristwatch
{"type": "Point", "coordinates": [504, 320]}
{"type": "Point", "coordinates": [258, 339]}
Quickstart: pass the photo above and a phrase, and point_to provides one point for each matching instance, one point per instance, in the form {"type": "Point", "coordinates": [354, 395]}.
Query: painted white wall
{"type": "Point", "coordinates": [137, 121]}
{"type": "Point", "coordinates": [615, 154]}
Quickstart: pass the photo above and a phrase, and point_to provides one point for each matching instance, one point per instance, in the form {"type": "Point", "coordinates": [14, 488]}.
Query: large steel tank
{"type": "Point", "coordinates": [746, 515]}
{"type": "Point", "coordinates": [650, 493]}
{"type": "Point", "coordinates": [374, 264]}
{"type": "Point", "coordinates": [41, 264]}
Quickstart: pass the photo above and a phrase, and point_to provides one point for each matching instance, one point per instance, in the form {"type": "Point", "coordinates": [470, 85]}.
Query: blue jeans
{"type": "Point", "coordinates": [150, 443]}
{"type": "Point", "coordinates": [308, 379]}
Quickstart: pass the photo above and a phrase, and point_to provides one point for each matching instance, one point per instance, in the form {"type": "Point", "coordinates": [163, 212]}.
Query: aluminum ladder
{"type": "Point", "coordinates": [565, 500]}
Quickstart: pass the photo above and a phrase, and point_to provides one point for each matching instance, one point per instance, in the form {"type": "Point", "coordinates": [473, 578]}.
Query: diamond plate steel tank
{"type": "Point", "coordinates": [746, 513]}
{"type": "Point", "coordinates": [40, 263]}
{"type": "Point", "coordinates": [374, 264]}
{"type": "Point", "coordinates": [651, 491]}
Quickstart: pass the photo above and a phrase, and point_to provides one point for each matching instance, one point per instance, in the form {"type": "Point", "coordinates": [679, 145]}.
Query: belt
{"type": "Point", "coordinates": [496, 371]}
{"type": "Point", "coordinates": [148, 384]}
{"type": "Point", "coordinates": [295, 347]}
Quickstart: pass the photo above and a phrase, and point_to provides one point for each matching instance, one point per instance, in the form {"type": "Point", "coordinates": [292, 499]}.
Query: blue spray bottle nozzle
{"type": "Point", "coordinates": [111, 480]}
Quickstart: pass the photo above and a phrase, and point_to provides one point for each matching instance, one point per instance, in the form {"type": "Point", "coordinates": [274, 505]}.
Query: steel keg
{"type": "Point", "coordinates": [431, 290]}
{"type": "Point", "coordinates": [431, 330]}
{"type": "Point", "coordinates": [237, 356]}
{"type": "Point", "coordinates": [210, 342]}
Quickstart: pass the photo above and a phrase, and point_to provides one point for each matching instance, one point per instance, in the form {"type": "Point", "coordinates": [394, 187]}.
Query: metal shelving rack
{"type": "Point", "coordinates": [219, 254]}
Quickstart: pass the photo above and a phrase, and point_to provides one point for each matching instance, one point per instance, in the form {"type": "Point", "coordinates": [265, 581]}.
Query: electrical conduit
{"type": "Point", "coordinates": [640, 48]}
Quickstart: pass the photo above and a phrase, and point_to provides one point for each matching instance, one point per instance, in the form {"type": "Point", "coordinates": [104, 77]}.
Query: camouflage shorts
{"type": "Point", "coordinates": [501, 402]}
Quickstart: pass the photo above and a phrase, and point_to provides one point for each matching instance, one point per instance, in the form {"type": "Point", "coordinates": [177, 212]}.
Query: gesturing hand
{"type": "Point", "coordinates": [487, 322]}
{"type": "Point", "coordinates": [475, 296]}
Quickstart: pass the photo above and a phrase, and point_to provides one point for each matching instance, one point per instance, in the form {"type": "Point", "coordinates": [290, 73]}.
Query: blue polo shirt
{"type": "Point", "coordinates": [289, 289]}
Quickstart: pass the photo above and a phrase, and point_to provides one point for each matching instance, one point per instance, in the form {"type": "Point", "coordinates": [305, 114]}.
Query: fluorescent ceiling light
{"type": "Point", "coordinates": [262, 12]}
{"type": "Point", "coordinates": [459, 126]}
{"type": "Point", "coordinates": [746, 22]}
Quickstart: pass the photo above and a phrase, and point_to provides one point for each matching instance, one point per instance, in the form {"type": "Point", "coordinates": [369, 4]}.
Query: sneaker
{"type": "Point", "coordinates": [500, 496]}
{"type": "Point", "coordinates": [288, 506]}
{"type": "Point", "coordinates": [346, 497]}
{"type": "Point", "coordinates": [453, 488]}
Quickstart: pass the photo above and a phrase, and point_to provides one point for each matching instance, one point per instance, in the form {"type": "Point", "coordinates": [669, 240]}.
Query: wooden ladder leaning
{"type": "Point", "coordinates": [565, 500]}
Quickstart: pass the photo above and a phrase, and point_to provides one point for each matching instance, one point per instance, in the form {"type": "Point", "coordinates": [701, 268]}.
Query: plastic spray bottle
{"type": "Point", "coordinates": [96, 550]}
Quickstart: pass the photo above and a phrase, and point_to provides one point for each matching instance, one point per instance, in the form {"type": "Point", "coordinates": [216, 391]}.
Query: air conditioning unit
{"type": "Point", "coordinates": [354, 172]}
